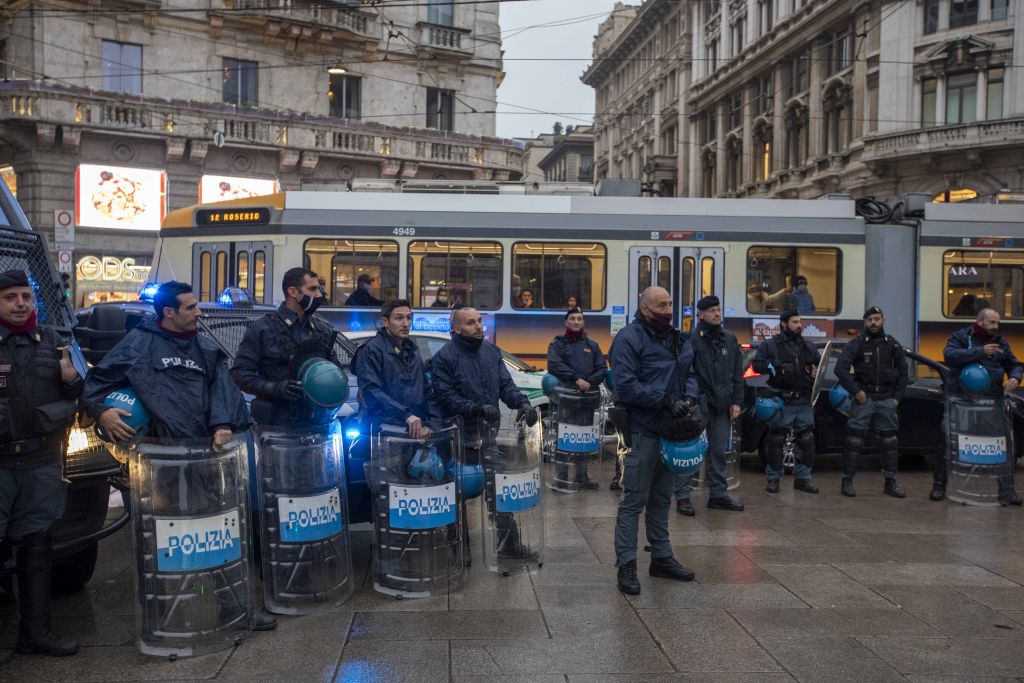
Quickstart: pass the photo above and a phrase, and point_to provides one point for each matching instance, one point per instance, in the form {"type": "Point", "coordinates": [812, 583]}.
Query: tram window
{"type": "Point", "coordinates": [559, 272]}
{"type": "Point", "coordinates": [221, 273]}
{"type": "Point", "coordinates": [259, 276]}
{"type": "Point", "coordinates": [644, 273]}
{"type": "Point", "coordinates": [205, 276]}
{"type": "Point", "coordinates": [983, 279]}
{"type": "Point", "coordinates": [242, 270]}
{"type": "Point", "coordinates": [802, 278]}
{"type": "Point", "coordinates": [469, 271]}
{"type": "Point", "coordinates": [686, 282]}
{"type": "Point", "coordinates": [341, 262]}
{"type": "Point", "coordinates": [707, 276]}
{"type": "Point", "coordinates": [665, 273]}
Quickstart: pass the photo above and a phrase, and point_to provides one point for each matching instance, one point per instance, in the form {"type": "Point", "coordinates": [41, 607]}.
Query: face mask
{"type": "Point", "coordinates": [661, 321]}
{"type": "Point", "coordinates": [442, 300]}
{"type": "Point", "coordinates": [310, 304]}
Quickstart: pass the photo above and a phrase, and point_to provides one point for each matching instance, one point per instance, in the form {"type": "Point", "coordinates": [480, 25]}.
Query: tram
{"type": "Point", "coordinates": [521, 260]}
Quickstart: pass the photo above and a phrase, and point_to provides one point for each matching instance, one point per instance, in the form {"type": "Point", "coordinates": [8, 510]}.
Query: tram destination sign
{"type": "Point", "coordinates": [234, 216]}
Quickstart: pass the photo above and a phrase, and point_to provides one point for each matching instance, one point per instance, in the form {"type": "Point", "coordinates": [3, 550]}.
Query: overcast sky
{"type": "Point", "coordinates": [550, 86]}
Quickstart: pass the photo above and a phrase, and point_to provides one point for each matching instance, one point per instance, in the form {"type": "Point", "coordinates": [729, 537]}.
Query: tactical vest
{"type": "Point", "coordinates": [791, 372]}
{"type": "Point", "coordinates": [874, 368]}
{"type": "Point", "coordinates": [32, 404]}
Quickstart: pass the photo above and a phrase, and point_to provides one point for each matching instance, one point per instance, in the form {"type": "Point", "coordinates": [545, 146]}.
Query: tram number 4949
{"type": "Point", "coordinates": [404, 232]}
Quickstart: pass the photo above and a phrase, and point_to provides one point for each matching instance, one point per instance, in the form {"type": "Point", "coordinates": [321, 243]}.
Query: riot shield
{"type": "Point", "coordinates": [417, 501]}
{"type": "Point", "coordinates": [577, 421]}
{"type": "Point", "coordinates": [190, 518]}
{"type": "Point", "coordinates": [513, 513]}
{"type": "Point", "coordinates": [304, 539]}
{"type": "Point", "coordinates": [732, 461]}
{"type": "Point", "coordinates": [978, 460]}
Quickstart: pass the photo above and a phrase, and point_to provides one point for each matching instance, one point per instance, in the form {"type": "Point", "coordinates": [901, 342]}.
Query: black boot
{"type": "Point", "coordinates": [893, 489]}
{"type": "Point", "coordinates": [510, 544]}
{"type": "Point", "coordinates": [34, 634]}
{"type": "Point", "coordinates": [628, 582]}
{"type": "Point", "coordinates": [804, 485]}
{"type": "Point", "coordinates": [685, 507]}
{"type": "Point", "coordinates": [669, 568]}
{"type": "Point", "coordinates": [1009, 497]}
{"type": "Point", "coordinates": [262, 620]}
{"type": "Point", "coordinates": [847, 489]}
{"type": "Point", "coordinates": [938, 490]}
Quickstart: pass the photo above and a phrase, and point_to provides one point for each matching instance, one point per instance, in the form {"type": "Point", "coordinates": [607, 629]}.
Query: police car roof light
{"type": "Point", "coordinates": [148, 291]}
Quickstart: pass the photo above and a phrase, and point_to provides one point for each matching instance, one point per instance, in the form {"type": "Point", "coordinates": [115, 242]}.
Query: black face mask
{"type": "Point", "coordinates": [310, 304]}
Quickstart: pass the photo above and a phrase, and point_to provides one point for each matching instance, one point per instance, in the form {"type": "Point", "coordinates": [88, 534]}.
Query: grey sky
{"type": "Point", "coordinates": [551, 86]}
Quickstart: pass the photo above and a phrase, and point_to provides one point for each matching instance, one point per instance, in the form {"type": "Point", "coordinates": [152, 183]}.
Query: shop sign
{"type": "Point", "coordinates": [120, 197]}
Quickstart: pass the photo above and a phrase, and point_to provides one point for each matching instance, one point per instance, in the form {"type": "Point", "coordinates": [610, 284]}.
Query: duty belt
{"type": "Point", "coordinates": [32, 445]}
{"type": "Point", "coordinates": [794, 395]}
{"type": "Point", "coordinates": [879, 388]}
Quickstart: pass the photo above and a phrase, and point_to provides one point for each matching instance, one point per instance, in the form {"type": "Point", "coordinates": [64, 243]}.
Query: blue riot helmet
{"type": "Point", "coordinates": [126, 399]}
{"type": "Point", "coordinates": [549, 384]}
{"type": "Point", "coordinates": [427, 466]}
{"type": "Point", "coordinates": [840, 399]}
{"type": "Point", "coordinates": [472, 479]}
{"type": "Point", "coordinates": [974, 378]}
{"type": "Point", "coordinates": [684, 457]}
{"type": "Point", "coordinates": [766, 407]}
{"type": "Point", "coordinates": [324, 382]}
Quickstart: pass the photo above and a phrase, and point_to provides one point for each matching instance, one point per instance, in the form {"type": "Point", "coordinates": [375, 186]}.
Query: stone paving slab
{"type": "Point", "coordinates": [918, 574]}
{"type": "Point", "coordinates": [825, 586]}
{"type": "Point", "coordinates": [301, 648]}
{"type": "Point", "coordinates": [124, 663]}
{"type": "Point", "coordinates": [662, 593]}
{"type": "Point", "coordinates": [952, 613]}
{"type": "Point", "coordinates": [839, 621]}
{"type": "Point", "coordinates": [462, 625]}
{"type": "Point", "coordinates": [814, 554]}
{"type": "Point", "coordinates": [709, 640]}
{"type": "Point", "coordinates": [943, 656]}
{"type": "Point", "coordinates": [484, 590]}
{"type": "Point", "coordinates": [814, 658]}
{"type": "Point", "coordinates": [381, 660]}
{"type": "Point", "coordinates": [708, 677]}
{"type": "Point", "coordinates": [569, 655]}
{"type": "Point", "coordinates": [1002, 598]}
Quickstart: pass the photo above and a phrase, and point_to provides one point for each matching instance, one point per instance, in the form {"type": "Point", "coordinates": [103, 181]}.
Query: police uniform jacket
{"type": "Point", "coordinates": [183, 383]}
{"type": "Point", "coordinates": [874, 364]}
{"type": "Point", "coordinates": [718, 365]}
{"type": "Point", "coordinates": [36, 406]}
{"type": "Point", "coordinates": [963, 348]}
{"type": "Point", "coordinates": [785, 359]}
{"type": "Point", "coordinates": [270, 352]}
{"type": "Point", "coordinates": [465, 377]}
{"type": "Point", "coordinates": [362, 297]}
{"type": "Point", "coordinates": [573, 360]}
{"type": "Point", "coordinates": [648, 367]}
{"type": "Point", "coordinates": [392, 379]}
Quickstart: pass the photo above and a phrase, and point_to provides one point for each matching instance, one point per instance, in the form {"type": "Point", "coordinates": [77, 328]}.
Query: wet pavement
{"type": "Point", "coordinates": [799, 586]}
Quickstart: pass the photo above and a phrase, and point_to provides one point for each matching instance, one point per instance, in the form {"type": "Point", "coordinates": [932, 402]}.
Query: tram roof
{"type": "Point", "coordinates": [332, 210]}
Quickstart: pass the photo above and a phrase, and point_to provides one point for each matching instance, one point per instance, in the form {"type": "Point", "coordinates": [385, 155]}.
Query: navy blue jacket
{"type": "Point", "coordinates": [785, 353]}
{"type": "Point", "coordinates": [857, 371]}
{"type": "Point", "coordinates": [963, 349]}
{"type": "Point", "coordinates": [718, 364]}
{"type": "Point", "coordinates": [573, 360]}
{"type": "Point", "coordinates": [392, 379]}
{"type": "Point", "coordinates": [183, 383]}
{"type": "Point", "coordinates": [464, 378]}
{"type": "Point", "coordinates": [649, 367]}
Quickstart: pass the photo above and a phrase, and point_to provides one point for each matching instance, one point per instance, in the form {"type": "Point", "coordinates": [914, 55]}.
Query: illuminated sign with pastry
{"type": "Point", "coordinates": [218, 188]}
{"type": "Point", "coordinates": [120, 197]}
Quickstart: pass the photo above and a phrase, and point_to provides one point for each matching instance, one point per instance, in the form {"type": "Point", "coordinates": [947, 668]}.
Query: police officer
{"type": "Point", "coordinates": [718, 365]}
{"type": "Point", "coordinates": [273, 347]}
{"type": "Point", "coordinates": [791, 362]}
{"type": "Point", "coordinates": [392, 377]}
{"type": "Point", "coordinates": [980, 343]}
{"type": "Point", "coordinates": [181, 378]}
{"type": "Point", "coordinates": [38, 388]}
{"type": "Point", "coordinates": [469, 378]}
{"type": "Point", "coordinates": [576, 359]}
{"type": "Point", "coordinates": [652, 366]}
{"type": "Point", "coordinates": [873, 369]}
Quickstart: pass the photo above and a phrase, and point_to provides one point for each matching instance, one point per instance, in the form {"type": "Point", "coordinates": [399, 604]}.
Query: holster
{"type": "Point", "coordinates": [620, 420]}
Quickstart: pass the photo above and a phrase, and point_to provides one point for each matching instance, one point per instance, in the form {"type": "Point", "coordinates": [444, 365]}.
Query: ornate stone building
{"type": "Point", "coordinates": [177, 99]}
{"type": "Point", "coordinates": [799, 98]}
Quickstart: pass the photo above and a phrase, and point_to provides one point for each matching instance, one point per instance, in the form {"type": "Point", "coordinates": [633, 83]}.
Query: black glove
{"type": "Point", "coordinates": [285, 390]}
{"type": "Point", "coordinates": [684, 407]}
{"type": "Point", "coordinates": [491, 414]}
{"type": "Point", "coordinates": [526, 412]}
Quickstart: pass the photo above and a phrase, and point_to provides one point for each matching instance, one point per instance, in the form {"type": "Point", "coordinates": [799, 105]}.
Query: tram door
{"type": "Point", "coordinates": [249, 265]}
{"type": "Point", "coordinates": [687, 273]}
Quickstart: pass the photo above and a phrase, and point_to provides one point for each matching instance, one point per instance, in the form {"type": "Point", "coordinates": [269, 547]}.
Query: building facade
{"type": "Point", "coordinates": [113, 113]}
{"type": "Point", "coordinates": [800, 98]}
{"type": "Point", "coordinates": [572, 158]}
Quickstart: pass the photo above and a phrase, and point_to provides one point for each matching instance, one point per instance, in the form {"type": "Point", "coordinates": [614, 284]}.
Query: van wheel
{"type": "Point", "coordinates": [72, 574]}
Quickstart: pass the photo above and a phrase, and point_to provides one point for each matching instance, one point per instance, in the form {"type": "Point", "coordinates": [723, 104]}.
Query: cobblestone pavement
{"type": "Point", "coordinates": [815, 588]}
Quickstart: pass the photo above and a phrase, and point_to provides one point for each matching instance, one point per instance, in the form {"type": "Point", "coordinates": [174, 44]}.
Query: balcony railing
{"type": "Point", "coordinates": [962, 136]}
{"type": "Point", "coordinates": [445, 38]}
{"type": "Point", "coordinates": [76, 110]}
{"type": "Point", "coordinates": [325, 15]}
